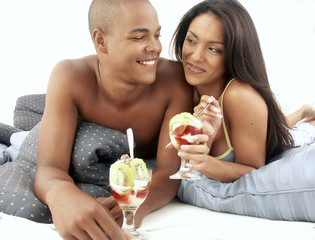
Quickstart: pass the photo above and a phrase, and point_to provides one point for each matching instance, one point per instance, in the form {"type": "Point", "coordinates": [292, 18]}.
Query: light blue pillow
{"type": "Point", "coordinates": [3, 156]}
{"type": "Point", "coordinates": [16, 141]}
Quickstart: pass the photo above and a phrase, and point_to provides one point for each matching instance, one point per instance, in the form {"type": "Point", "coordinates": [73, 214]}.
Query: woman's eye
{"type": "Point", "coordinates": [215, 50]}
{"type": "Point", "coordinates": [190, 40]}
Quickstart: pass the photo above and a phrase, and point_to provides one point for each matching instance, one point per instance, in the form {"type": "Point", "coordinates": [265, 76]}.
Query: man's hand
{"type": "Point", "coordinates": [113, 207]}
{"type": "Point", "coordinates": [77, 215]}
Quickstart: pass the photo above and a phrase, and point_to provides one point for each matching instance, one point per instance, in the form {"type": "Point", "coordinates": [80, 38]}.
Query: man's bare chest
{"type": "Point", "coordinates": [145, 121]}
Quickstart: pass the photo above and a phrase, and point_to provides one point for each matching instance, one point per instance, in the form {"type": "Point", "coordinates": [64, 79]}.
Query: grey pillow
{"type": "Point", "coordinates": [95, 148]}
{"type": "Point", "coordinates": [5, 133]}
{"type": "Point", "coordinates": [28, 111]}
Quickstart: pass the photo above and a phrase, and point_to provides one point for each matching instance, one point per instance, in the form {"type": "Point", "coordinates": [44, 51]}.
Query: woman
{"type": "Point", "coordinates": [218, 45]}
{"type": "Point", "coordinates": [305, 113]}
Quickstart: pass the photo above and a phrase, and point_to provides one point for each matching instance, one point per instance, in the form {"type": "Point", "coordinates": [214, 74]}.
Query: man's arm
{"type": "Point", "coordinates": [163, 189]}
{"type": "Point", "coordinates": [75, 213]}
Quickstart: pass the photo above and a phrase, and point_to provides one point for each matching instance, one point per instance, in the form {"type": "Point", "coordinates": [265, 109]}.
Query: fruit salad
{"type": "Point", "coordinates": [182, 128]}
{"type": "Point", "coordinates": [129, 181]}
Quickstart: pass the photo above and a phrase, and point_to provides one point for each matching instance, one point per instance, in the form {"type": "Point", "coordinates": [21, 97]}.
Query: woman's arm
{"type": "Point", "coordinates": [246, 117]}
{"type": "Point", "coordinates": [307, 112]}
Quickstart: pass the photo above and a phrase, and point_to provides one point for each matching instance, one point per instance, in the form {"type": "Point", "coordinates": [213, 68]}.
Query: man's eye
{"type": "Point", "coordinates": [138, 38]}
{"type": "Point", "coordinates": [157, 35]}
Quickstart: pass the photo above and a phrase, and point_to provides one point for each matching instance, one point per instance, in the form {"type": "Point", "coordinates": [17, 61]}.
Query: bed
{"type": "Point", "coordinates": [177, 220]}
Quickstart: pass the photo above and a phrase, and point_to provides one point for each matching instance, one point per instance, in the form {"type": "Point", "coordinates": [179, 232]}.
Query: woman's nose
{"type": "Point", "coordinates": [197, 54]}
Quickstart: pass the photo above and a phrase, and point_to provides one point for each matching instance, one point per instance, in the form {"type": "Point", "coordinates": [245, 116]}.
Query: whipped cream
{"type": "Point", "coordinates": [189, 138]}
{"type": "Point", "coordinates": [119, 189]}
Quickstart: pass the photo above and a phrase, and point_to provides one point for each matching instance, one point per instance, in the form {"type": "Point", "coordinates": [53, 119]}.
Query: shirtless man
{"type": "Point", "coordinates": [125, 85]}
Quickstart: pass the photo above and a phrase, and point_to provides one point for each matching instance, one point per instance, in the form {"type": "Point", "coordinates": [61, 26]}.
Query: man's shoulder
{"type": "Point", "coordinates": [171, 72]}
{"type": "Point", "coordinates": [167, 66]}
{"type": "Point", "coordinates": [170, 77]}
{"type": "Point", "coordinates": [72, 77]}
{"type": "Point", "coordinates": [73, 71]}
{"type": "Point", "coordinates": [77, 66]}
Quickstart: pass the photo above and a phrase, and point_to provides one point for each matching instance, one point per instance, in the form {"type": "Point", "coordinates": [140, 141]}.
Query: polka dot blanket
{"type": "Point", "coordinates": [95, 149]}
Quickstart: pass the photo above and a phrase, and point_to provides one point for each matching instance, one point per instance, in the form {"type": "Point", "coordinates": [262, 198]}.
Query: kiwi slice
{"type": "Point", "coordinates": [180, 121]}
{"type": "Point", "coordinates": [122, 175]}
{"type": "Point", "coordinates": [139, 169]}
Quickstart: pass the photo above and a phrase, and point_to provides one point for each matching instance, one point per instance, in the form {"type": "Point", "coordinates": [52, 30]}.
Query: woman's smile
{"type": "Point", "coordinates": [195, 69]}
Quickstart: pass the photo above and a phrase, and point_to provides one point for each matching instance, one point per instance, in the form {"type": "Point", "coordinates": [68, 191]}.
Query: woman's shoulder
{"type": "Point", "coordinates": [242, 97]}
{"type": "Point", "coordinates": [238, 91]}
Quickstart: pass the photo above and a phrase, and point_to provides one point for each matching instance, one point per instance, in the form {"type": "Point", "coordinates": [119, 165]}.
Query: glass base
{"type": "Point", "coordinates": [128, 225]}
{"type": "Point", "coordinates": [137, 234]}
{"type": "Point", "coordinates": [185, 174]}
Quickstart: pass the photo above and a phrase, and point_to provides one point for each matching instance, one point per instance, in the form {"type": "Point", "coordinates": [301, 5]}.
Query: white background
{"type": "Point", "coordinates": [36, 34]}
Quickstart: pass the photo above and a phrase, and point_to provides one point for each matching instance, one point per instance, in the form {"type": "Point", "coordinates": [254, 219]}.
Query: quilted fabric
{"type": "Point", "coordinates": [17, 181]}
{"type": "Point", "coordinates": [95, 148]}
{"type": "Point", "coordinates": [5, 133]}
{"type": "Point", "coordinates": [28, 111]}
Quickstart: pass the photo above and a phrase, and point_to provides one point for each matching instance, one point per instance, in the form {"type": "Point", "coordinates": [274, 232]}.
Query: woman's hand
{"type": "Point", "coordinates": [211, 117]}
{"type": "Point", "coordinates": [197, 154]}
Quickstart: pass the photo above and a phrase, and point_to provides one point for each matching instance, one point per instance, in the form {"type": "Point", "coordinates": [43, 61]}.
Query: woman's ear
{"type": "Point", "coordinates": [99, 40]}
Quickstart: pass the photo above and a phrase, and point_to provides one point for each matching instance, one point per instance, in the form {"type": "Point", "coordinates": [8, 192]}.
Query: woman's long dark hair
{"type": "Point", "coordinates": [243, 61]}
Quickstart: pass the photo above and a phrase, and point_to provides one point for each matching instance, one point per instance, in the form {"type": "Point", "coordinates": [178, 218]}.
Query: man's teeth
{"type": "Point", "coordinates": [152, 62]}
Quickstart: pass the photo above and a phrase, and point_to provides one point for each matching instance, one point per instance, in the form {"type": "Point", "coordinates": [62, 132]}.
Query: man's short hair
{"type": "Point", "coordinates": [102, 13]}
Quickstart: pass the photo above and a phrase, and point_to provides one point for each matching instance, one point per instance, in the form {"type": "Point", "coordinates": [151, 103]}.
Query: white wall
{"type": "Point", "coordinates": [36, 34]}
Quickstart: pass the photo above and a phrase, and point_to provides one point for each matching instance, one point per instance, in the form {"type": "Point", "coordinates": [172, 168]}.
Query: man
{"type": "Point", "coordinates": [125, 85]}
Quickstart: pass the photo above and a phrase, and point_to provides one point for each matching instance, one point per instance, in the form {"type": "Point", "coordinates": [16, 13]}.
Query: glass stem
{"type": "Point", "coordinates": [129, 219]}
{"type": "Point", "coordinates": [183, 166]}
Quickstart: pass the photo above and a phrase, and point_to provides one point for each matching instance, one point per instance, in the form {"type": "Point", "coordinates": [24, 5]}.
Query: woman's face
{"type": "Point", "coordinates": [203, 51]}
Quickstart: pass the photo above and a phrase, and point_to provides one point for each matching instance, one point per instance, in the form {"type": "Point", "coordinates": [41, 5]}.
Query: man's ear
{"type": "Point", "coordinates": [99, 40]}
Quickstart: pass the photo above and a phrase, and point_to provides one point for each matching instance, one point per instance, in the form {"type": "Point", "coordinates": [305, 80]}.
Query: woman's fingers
{"type": "Point", "coordinates": [213, 110]}
{"type": "Point", "coordinates": [188, 150]}
{"type": "Point", "coordinates": [169, 145]}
